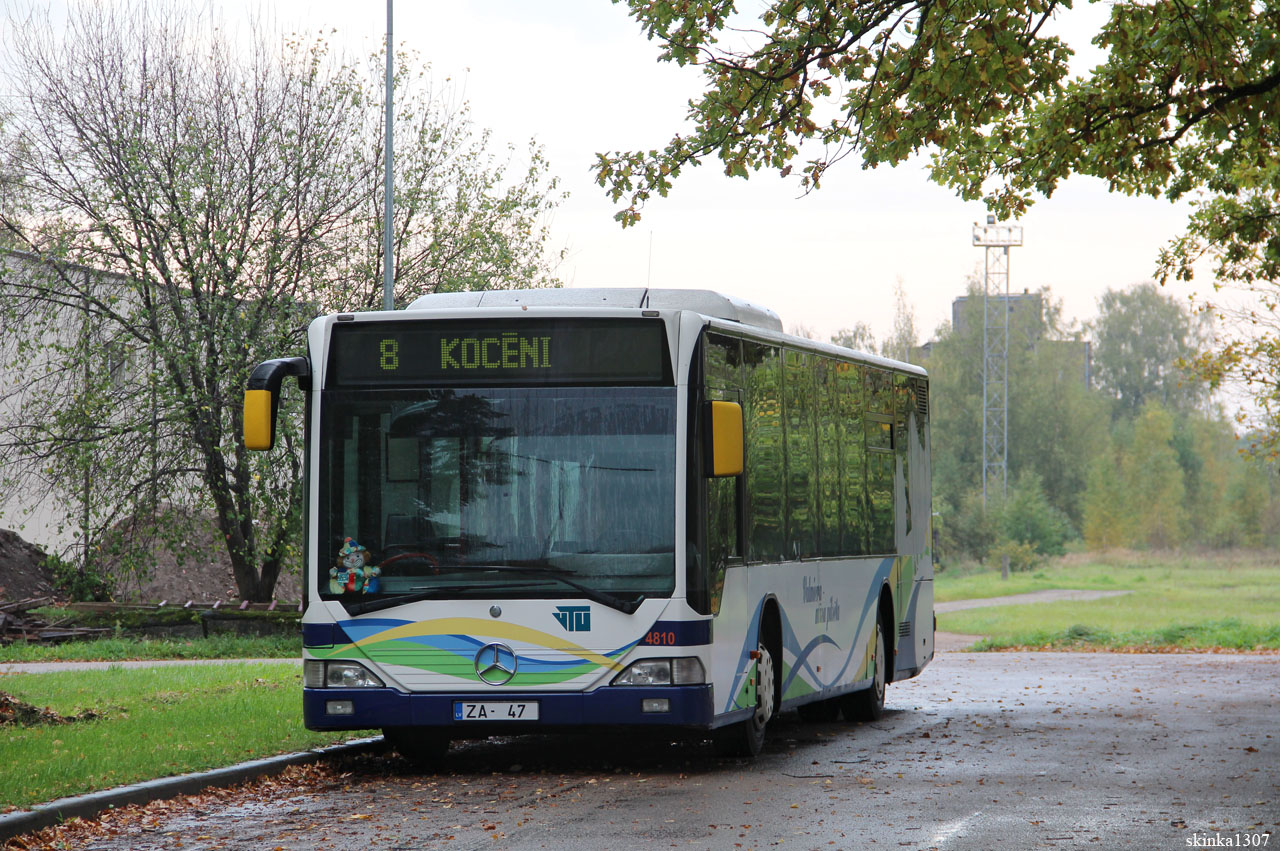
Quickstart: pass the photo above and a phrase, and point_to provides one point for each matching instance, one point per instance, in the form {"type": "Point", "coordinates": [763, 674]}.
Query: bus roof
{"type": "Point", "coordinates": [706, 302]}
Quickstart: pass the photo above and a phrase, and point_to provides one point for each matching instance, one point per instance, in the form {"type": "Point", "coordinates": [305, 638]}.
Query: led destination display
{"type": "Point", "coordinates": [540, 351]}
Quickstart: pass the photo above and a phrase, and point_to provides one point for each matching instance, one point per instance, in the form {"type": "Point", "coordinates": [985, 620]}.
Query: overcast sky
{"type": "Point", "coordinates": [580, 77]}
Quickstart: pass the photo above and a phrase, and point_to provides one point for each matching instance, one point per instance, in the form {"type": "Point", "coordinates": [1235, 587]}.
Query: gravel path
{"type": "Point", "coordinates": [952, 642]}
{"type": "Point", "coordinates": [1053, 596]}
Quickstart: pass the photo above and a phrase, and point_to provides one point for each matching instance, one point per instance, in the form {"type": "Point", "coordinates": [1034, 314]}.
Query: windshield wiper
{"type": "Point", "coordinates": [627, 607]}
{"type": "Point", "coordinates": [377, 605]}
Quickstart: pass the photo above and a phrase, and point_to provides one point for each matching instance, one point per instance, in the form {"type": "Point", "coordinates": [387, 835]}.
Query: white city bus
{"type": "Point", "coordinates": [551, 509]}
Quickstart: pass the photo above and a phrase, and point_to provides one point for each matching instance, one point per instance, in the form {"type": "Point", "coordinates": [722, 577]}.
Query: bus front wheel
{"type": "Point", "coordinates": [746, 738]}
{"type": "Point", "coordinates": [868, 704]}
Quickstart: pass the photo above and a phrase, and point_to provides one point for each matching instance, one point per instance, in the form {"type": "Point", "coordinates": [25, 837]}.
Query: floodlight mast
{"type": "Point", "coordinates": [996, 239]}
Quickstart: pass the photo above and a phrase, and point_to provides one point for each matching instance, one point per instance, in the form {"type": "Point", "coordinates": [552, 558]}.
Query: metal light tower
{"type": "Point", "coordinates": [997, 240]}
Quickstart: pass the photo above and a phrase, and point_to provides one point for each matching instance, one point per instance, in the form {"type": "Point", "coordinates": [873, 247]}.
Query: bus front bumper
{"type": "Point", "coordinates": [367, 708]}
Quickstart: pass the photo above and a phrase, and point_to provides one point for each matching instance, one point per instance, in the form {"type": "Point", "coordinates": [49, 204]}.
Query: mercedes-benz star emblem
{"type": "Point", "coordinates": [496, 664]}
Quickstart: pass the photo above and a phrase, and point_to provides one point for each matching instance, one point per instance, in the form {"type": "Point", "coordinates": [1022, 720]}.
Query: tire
{"type": "Point", "coordinates": [746, 738]}
{"type": "Point", "coordinates": [425, 747]}
{"type": "Point", "coordinates": [868, 704]}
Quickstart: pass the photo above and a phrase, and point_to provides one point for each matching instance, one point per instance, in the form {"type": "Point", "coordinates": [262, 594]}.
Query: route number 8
{"type": "Point", "coordinates": [390, 350]}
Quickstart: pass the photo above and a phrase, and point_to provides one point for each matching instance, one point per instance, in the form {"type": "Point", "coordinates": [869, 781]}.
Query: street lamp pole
{"type": "Point", "coordinates": [388, 187]}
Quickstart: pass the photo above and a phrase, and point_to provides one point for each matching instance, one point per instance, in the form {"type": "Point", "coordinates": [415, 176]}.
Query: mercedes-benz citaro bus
{"type": "Point", "coordinates": [538, 510]}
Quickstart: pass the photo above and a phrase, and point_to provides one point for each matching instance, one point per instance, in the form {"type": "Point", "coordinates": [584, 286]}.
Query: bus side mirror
{"type": "Point", "coordinates": [262, 398]}
{"type": "Point", "coordinates": [724, 435]}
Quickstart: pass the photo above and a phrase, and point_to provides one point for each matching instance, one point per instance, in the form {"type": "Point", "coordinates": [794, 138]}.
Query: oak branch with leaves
{"type": "Point", "coordinates": [1185, 104]}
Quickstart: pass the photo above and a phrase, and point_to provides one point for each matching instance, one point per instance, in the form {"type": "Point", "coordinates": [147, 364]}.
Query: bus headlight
{"type": "Point", "coordinates": [318, 674]}
{"type": "Point", "coordinates": [681, 671]}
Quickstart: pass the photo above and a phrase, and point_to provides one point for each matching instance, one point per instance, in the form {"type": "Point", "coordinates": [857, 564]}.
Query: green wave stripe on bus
{"type": "Point", "coordinates": [458, 666]}
{"type": "Point", "coordinates": [799, 686]}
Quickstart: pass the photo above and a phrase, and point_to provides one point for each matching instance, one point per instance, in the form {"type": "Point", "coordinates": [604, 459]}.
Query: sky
{"type": "Point", "coordinates": [580, 77]}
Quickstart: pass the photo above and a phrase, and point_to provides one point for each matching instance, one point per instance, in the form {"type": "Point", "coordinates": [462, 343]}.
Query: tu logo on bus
{"type": "Point", "coordinates": [574, 618]}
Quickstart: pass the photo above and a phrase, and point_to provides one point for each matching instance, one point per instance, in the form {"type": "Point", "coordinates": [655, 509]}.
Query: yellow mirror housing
{"type": "Point", "coordinates": [726, 439]}
{"type": "Point", "coordinates": [258, 418]}
{"type": "Point", "coordinates": [261, 398]}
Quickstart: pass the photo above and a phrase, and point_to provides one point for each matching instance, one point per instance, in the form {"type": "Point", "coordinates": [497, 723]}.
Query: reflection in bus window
{"type": "Point", "coordinates": [802, 496]}
{"type": "Point", "coordinates": [766, 534]}
{"type": "Point", "coordinates": [580, 481]}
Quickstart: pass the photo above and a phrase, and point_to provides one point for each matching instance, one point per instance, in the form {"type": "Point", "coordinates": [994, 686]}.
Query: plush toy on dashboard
{"type": "Point", "coordinates": [354, 571]}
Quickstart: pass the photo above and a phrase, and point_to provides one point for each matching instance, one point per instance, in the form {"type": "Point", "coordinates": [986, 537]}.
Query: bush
{"type": "Point", "coordinates": [1021, 556]}
{"type": "Point", "coordinates": [77, 582]}
{"type": "Point", "coordinates": [966, 530]}
{"type": "Point", "coordinates": [1028, 517]}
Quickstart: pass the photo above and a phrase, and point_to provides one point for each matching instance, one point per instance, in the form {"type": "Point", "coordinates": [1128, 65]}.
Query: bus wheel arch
{"type": "Point", "coordinates": [889, 629]}
{"type": "Point", "coordinates": [746, 738]}
{"type": "Point", "coordinates": [868, 704]}
{"type": "Point", "coordinates": [771, 638]}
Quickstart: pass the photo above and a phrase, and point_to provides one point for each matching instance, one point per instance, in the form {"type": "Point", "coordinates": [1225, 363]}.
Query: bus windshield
{"type": "Point", "coordinates": [530, 492]}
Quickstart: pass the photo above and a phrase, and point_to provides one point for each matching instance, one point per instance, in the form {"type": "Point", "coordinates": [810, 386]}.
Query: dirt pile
{"type": "Point", "coordinates": [23, 573]}
{"type": "Point", "coordinates": [197, 569]}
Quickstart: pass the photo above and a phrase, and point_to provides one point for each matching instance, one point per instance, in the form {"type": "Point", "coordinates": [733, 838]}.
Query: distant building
{"type": "Point", "coordinates": [30, 505]}
{"type": "Point", "coordinates": [1026, 317]}
{"type": "Point", "coordinates": [1020, 304]}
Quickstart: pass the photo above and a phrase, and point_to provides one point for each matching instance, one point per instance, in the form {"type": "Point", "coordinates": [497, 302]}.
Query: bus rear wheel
{"type": "Point", "coordinates": [868, 704]}
{"type": "Point", "coordinates": [746, 738]}
{"type": "Point", "coordinates": [422, 746]}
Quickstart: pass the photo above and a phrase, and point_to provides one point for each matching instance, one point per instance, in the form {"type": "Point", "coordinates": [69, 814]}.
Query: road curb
{"type": "Point", "coordinates": [88, 806]}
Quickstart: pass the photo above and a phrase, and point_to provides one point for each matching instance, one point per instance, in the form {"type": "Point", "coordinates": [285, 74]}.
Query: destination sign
{"type": "Point", "coordinates": [540, 351]}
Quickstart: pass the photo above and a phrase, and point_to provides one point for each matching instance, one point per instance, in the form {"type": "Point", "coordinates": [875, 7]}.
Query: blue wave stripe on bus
{"type": "Point", "coordinates": [331, 634]}
{"type": "Point", "coordinates": [870, 608]}
{"type": "Point", "coordinates": [802, 658]}
{"type": "Point", "coordinates": [753, 630]}
{"type": "Point", "coordinates": [362, 629]}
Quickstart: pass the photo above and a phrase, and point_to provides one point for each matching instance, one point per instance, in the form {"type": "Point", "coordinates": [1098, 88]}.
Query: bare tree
{"type": "Point", "coordinates": [192, 201]}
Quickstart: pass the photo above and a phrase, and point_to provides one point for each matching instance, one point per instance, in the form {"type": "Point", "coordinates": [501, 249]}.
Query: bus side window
{"type": "Point", "coordinates": [724, 539]}
{"type": "Point", "coordinates": [904, 401]}
{"type": "Point", "coordinates": [765, 484]}
{"type": "Point", "coordinates": [830, 532]}
{"type": "Point", "coordinates": [801, 455]}
{"type": "Point", "coordinates": [851, 401]}
{"type": "Point", "coordinates": [880, 458]}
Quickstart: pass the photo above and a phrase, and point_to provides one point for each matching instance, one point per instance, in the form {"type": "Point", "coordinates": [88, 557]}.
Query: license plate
{"type": "Point", "coordinates": [503, 710]}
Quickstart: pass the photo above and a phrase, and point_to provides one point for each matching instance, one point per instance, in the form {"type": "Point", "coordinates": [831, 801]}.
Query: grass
{"type": "Point", "coordinates": [156, 722]}
{"type": "Point", "coordinates": [222, 646]}
{"type": "Point", "coordinates": [1229, 601]}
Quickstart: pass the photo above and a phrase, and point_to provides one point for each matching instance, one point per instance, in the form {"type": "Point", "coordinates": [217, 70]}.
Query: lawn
{"type": "Point", "coordinates": [1229, 601]}
{"type": "Point", "coordinates": [154, 722]}
{"type": "Point", "coordinates": [224, 646]}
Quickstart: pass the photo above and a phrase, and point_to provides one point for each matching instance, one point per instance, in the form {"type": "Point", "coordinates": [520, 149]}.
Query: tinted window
{"type": "Point", "coordinates": [766, 533]}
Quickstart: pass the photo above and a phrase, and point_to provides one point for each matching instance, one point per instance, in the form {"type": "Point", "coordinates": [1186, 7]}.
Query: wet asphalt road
{"type": "Point", "coordinates": [982, 751]}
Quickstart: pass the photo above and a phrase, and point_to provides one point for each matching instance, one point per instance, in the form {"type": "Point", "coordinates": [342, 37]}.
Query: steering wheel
{"type": "Point", "coordinates": [435, 563]}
